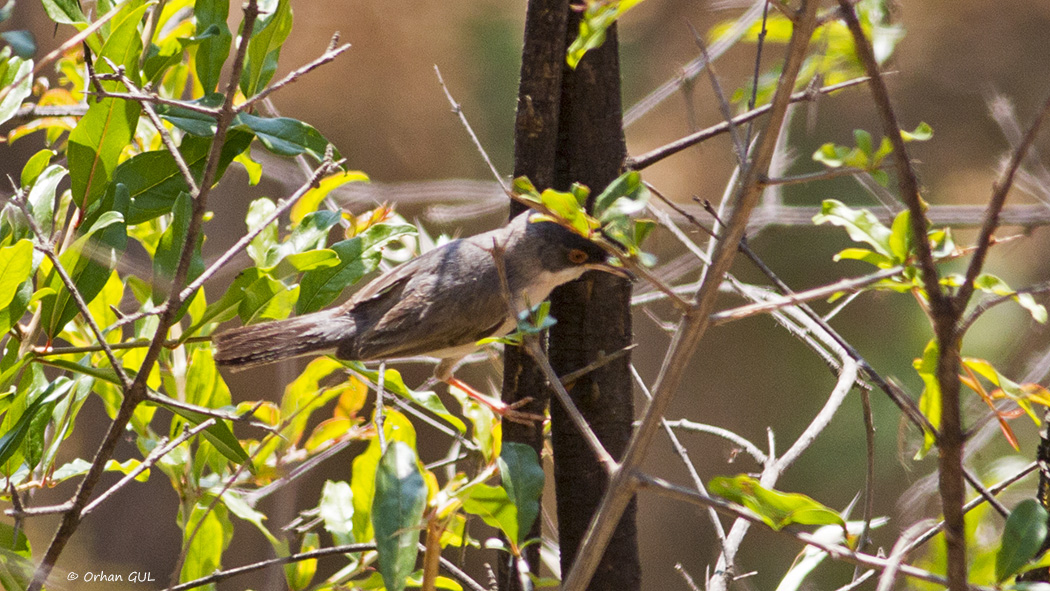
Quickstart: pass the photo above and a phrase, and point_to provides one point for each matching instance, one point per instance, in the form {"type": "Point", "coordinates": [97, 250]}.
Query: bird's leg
{"type": "Point", "coordinates": [509, 412]}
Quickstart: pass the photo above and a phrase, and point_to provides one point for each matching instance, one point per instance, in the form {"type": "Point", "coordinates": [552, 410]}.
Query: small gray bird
{"type": "Point", "coordinates": [441, 303]}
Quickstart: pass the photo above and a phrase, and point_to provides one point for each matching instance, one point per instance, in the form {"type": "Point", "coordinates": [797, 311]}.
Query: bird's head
{"type": "Point", "coordinates": [564, 254]}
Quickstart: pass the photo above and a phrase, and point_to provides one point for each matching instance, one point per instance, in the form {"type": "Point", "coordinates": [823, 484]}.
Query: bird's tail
{"type": "Point", "coordinates": [269, 342]}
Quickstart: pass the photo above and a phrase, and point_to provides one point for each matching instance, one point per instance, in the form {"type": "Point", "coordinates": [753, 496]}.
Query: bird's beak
{"type": "Point", "coordinates": [618, 271]}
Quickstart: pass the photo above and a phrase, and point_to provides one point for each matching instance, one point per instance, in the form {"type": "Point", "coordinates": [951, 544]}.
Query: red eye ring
{"type": "Point", "coordinates": [577, 256]}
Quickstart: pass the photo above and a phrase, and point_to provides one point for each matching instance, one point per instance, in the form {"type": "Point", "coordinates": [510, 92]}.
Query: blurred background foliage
{"type": "Point", "coordinates": [381, 105]}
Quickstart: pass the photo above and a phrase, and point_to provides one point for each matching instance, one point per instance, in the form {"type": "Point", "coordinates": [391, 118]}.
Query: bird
{"type": "Point", "coordinates": [439, 304]}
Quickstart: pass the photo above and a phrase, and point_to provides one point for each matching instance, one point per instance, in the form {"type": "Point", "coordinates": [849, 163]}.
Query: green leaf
{"type": "Point", "coordinates": [15, 69]}
{"type": "Point", "coordinates": [64, 12]}
{"type": "Point", "coordinates": [777, 509]}
{"type": "Point", "coordinates": [155, 182]}
{"type": "Point", "coordinates": [313, 198]}
{"type": "Point", "coordinates": [863, 254]}
{"type": "Point", "coordinates": [900, 237]}
{"type": "Point", "coordinates": [219, 434]}
{"type": "Point", "coordinates": [267, 299]}
{"type": "Point", "coordinates": [864, 143]}
{"type": "Point", "coordinates": [989, 283]}
{"type": "Point", "coordinates": [930, 401]}
{"type": "Point", "coordinates": [522, 476]}
{"type": "Point", "coordinates": [16, 265]}
{"type": "Point", "coordinates": [493, 505]}
{"type": "Point", "coordinates": [597, 18]}
{"type": "Point", "coordinates": [34, 166]}
{"type": "Point", "coordinates": [396, 427]}
{"type": "Point", "coordinates": [266, 240]}
{"type": "Point", "coordinates": [860, 224]}
{"type": "Point", "coordinates": [211, 532]}
{"type": "Point", "coordinates": [358, 256]}
{"type": "Point", "coordinates": [299, 574]}
{"type": "Point", "coordinates": [264, 48]}
{"type": "Point", "coordinates": [285, 136]}
{"type": "Point", "coordinates": [191, 121]}
{"type": "Point", "coordinates": [83, 261]}
{"type": "Point", "coordinates": [397, 512]}
{"type": "Point", "coordinates": [40, 405]}
{"type": "Point", "coordinates": [523, 187]}
{"type": "Point", "coordinates": [322, 258]}
{"type": "Point", "coordinates": [97, 141]}
{"type": "Point", "coordinates": [1023, 537]}
{"type": "Point", "coordinates": [337, 511]}
{"type": "Point", "coordinates": [215, 39]}
{"type": "Point", "coordinates": [625, 196]}
{"type": "Point", "coordinates": [831, 155]}
{"type": "Point", "coordinates": [41, 198]}
{"type": "Point", "coordinates": [12, 313]}
{"type": "Point", "coordinates": [226, 307]}
{"type": "Point", "coordinates": [920, 134]}
{"type": "Point", "coordinates": [169, 249]}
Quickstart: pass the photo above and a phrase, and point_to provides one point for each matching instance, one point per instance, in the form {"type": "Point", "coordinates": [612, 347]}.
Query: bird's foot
{"type": "Point", "coordinates": [505, 411]}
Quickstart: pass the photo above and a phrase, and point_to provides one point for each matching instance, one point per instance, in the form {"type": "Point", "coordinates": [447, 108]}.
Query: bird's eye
{"type": "Point", "coordinates": [577, 256]}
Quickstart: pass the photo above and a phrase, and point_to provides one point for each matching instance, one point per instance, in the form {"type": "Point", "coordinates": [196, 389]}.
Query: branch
{"type": "Point", "coordinates": [695, 322]}
{"type": "Point", "coordinates": [44, 246]}
{"type": "Point", "coordinates": [222, 575]}
{"type": "Point", "coordinates": [794, 298]}
{"type": "Point", "coordinates": [995, 206]}
{"type": "Point", "coordinates": [329, 55]}
{"type": "Point", "coordinates": [654, 156]}
{"type": "Point", "coordinates": [152, 458]}
{"type": "Point", "coordinates": [835, 551]}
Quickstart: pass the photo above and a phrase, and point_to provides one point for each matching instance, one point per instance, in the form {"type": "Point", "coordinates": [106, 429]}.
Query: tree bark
{"type": "Point", "coordinates": [535, 149]}
{"type": "Point", "coordinates": [569, 129]}
{"type": "Point", "coordinates": [594, 318]}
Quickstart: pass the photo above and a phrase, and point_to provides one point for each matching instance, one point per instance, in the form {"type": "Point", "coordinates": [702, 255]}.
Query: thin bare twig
{"type": "Point", "coordinates": [683, 454]}
{"type": "Point", "coordinates": [153, 457]}
{"type": "Point", "coordinates": [165, 137]}
{"type": "Point", "coordinates": [41, 244]}
{"type": "Point", "coordinates": [458, 111]}
{"type": "Point", "coordinates": [978, 500]}
{"type": "Point", "coordinates": [752, 449]}
{"type": "Point", "coordinates": [222, 575]}
{"type": "Point", "coordinates": [798, 297]}
{"type": "Point", "coordinates": [329, 55]}
{"type": "Point", "coordinates": [654, 156]}
{"type": "Point", "coordinates": [995, 206]}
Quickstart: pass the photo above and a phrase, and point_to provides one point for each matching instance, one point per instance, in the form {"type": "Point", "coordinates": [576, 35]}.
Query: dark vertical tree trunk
{"type": "Point", "coordinates": [535, 150]}
{"type": "Point", "coordinates": [594, 317]}
{"type": "Point", "coordinates": [569, 129]}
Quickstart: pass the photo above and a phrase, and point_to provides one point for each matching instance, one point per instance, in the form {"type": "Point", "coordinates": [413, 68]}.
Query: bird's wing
{"type": "Point", "coordinates": [444, 302]}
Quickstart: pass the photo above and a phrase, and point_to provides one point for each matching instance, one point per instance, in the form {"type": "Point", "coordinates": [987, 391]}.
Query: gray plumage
{"type": "Point", "coordinates": [440, 303]}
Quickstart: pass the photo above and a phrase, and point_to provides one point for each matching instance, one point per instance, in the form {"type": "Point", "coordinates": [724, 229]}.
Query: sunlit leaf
{"type": "Point", "coordinates": [777, 509]}
{"type": "Point", "coordinates": [313, 198]}
{"type": "Point", "coordinates": [860, 224]}
{"type": "Point", "coordinates": [337, 510]}
{"type": "Point", "coordinates": [930, 401]}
